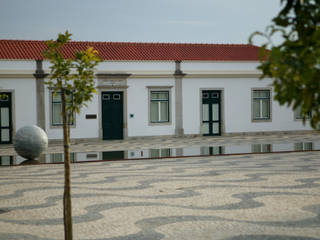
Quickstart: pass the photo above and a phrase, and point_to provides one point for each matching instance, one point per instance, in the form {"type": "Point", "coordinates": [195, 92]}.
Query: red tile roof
{"type": "Point", "coordinates": [27, 50]}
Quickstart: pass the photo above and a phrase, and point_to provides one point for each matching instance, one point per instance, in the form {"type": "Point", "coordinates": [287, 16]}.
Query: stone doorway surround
{"type": "Point", "coordinates": [113, 82]}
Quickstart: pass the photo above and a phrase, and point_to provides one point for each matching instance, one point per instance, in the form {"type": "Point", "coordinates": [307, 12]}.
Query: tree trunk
{"type": "Point", "coordinates": [67, 209]}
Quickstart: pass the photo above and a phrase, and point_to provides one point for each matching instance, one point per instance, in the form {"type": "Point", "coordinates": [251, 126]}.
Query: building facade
{"type": "Point", "coordinates": [146, 90]}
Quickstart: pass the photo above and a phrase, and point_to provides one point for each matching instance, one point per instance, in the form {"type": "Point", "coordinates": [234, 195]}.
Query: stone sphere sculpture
{"type": "Point", "coordinates": [30, 141]}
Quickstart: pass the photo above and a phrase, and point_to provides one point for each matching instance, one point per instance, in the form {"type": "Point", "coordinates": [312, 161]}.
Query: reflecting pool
{"type": "Point", "coordinates": [77, 157]}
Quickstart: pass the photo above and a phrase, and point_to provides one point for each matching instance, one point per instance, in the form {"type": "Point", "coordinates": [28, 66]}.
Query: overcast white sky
{"type": "Point", "coordinates": [194, 21]}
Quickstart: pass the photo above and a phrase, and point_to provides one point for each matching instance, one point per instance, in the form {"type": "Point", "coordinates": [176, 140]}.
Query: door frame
{"type": "Point", "coordinates": [222, 122]}
{"type": "Point", "coordinates": [13, 112]}
{"type": "Point", "coordinates": [124, 111]}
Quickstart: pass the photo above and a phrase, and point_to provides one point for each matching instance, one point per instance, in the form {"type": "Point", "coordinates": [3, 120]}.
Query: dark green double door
{"type": "Point", "coordinates": [5, 118]}
{"type": "Point", "coordinates": [112, 115]}
{"type": "Point", "coordinates": [211, 112]}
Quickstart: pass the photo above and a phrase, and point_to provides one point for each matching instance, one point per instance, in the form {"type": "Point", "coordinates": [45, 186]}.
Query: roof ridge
{"type": "Point", "coordinates": [22, 40]}
{"type": "Point", "coordinates": [140, 43]}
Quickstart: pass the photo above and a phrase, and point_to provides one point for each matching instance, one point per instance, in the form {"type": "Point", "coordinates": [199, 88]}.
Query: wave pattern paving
{"type": "Point", "coordinates": [263, 196]}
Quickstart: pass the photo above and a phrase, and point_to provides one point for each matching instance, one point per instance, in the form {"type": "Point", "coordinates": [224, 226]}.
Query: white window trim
{"type": "Point", "coordinates": [270, 105]}
{"type": "Point", "coordinates": [50, 114]}
{"type": "Point", "coordinates": [73, 156]}
{"type": "Point", "coordinates": [160, 89]}
{"type": "Point", "coordinates": [161, 153]}
{"type": "Point", "coordinates": [261, 148]}
{"type": "Point", "coordinates": [13, 109]}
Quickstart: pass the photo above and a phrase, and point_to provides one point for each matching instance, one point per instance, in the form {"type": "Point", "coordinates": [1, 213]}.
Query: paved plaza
{"type": "Point", "coordinates": [273, 196]}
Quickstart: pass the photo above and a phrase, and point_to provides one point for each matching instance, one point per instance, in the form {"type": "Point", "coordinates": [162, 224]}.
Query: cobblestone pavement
{"type": "Point", "coordinates": [236, 197]}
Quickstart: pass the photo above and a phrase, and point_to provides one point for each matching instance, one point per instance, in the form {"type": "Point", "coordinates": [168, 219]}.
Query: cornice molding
{"type": "Point", "coordinates": [224, 74]}
{"type": "Point", "coordinates": [16, 74]}
{"type": "Point", "coordinates": [159, 87]}
{"type": "Point", "coordinates": [144, 74]}
{"type": "Point", "coordinates": [152, 76]}
{"type": "Point", "coordinates": [112, 87]}
{"type": "Point", "coordinates": [112, 75]}
{"type": "Point", "coordinates": [200, 74]}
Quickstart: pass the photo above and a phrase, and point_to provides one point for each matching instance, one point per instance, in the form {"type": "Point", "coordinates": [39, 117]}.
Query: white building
{"type": "Point", "coordinates": [146, 89]}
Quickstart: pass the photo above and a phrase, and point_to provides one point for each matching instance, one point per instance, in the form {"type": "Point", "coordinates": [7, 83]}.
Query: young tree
{"type": "Point", "coordinates": [73, 78]}
{"type": "Point", "coordinates": [295, 63]}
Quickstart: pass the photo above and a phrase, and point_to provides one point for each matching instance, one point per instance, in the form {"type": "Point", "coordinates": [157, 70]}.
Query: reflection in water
{"type": "Point", "coordinates": [113, 155]}
{"type": "Point", "coordinates": [212, 150]}
{"type": "Point", "coordinates": [59, 157]}
{"type": "Point", "coordinates": [30, 162]}
{"type": "Point", "coordinates": [160, 153]}
{"type": "Point", "coordinates": [6, 160]}
{"type": "Point", "coordinates": [306, 146]}
{"type": "Point", "coordinates": [165, 152]}
{"type": "Point", "coordinates": [261, 148]}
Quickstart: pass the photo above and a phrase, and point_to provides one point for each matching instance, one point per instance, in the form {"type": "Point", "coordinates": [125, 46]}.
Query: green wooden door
{"type": "Point", "coordinates": [211, 113]}
{"type": "Point", "coordinates": [5, 118]}
{"type": "Point", "coordinates": [112, 115]}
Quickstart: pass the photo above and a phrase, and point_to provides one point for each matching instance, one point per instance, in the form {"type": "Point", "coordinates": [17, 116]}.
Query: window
{"type": "Point", "coordinates": [298, 114]}
{"type": "Point", "coordinates": [217, 150]}
{"type": "Point", "coordinates": [159, 106]}
{"type": "Point", "coordinates": [156, 153]}
{"type": "Point", "coordinates": [105, 96]}
{"type": "Point", "coordinates": [261, 105]}
{"type": "Point", "coordinates": [205, 95]}
{"type": "Point", "coordinates": [116, 96]}
{"type": "Point", "coordinates": [6, 160]}
{"type": "Point", "coordinates": [59, 157]}
{"type": "Point", "coordinates": [4, 97]}
{"type": "Point", "coordinates": [261, 148]}
{"type": "Point", "coordinates": [5, 117]}
{"type": "Point", "coordinates": [56, 110]}
{"type": "Point", "coordinates": [303, 146]}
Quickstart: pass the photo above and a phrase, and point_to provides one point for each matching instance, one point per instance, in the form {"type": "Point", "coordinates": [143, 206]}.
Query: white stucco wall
{"type": "Point", "coordinates": [84, 128]}
{"type": "Point", "coordinates": [237, 106]}
{"type": "Point", "coordinates": [24, 106]}
{"type": "Point", "coordinates": [236, 98]}
{"type": "Point", "coordinates": [20, 66]}
{"type": "Point", "coordinates": [138, 104]}
{"type": "Point", "coordinates": [189, 67]}
{"type": "Point", "coordinates": [137, 66]}
{"type": "Point", "coordinates": [137, 101]}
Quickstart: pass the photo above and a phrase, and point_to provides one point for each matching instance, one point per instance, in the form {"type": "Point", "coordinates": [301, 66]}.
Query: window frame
{"type": "Point", "coordinates": [303, 146]}
{"type": "Point", "coordinates": [160, 89]}
{"type": "Point", "coordinates": [55, 125]}
{"type": "Point", "coordinates": [261, 148]}
{"type": "Point", "coordinates": [9, 104]}
{"type": "Point", "coordinates": [300, 118]}
{"type": "Point", "coordinates": [54, 155]}
{"type": "Point", "coordinates": [269, 119]}
{"type": "Point", "coordinates": [160, 153]}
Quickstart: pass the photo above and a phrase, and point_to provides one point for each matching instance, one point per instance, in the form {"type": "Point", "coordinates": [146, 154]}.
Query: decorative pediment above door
{"type": "Point", "coordinates": [114, 80]}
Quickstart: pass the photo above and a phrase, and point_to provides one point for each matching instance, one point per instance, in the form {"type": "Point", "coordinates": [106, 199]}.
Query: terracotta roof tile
{"type": "Point", "coordinates": [27, 50]}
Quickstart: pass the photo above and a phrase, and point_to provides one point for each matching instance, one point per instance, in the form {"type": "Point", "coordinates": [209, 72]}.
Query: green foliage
{"type": "Point", "coordinates": [295, 63]}
{"type": "Point", "coordinates": [73, 76]}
